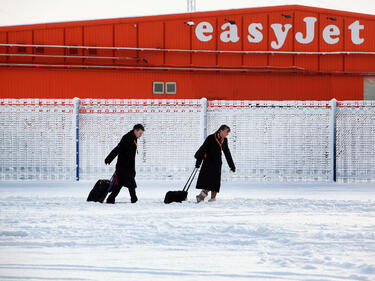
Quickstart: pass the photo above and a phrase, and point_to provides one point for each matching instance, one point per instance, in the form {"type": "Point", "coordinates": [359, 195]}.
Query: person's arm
{"type": "Point", "coordinates": [228, 156]}
{"type": "Point", "coordinates": [199, 155]}
{"type": "Point", "coordinates": [112, 155]}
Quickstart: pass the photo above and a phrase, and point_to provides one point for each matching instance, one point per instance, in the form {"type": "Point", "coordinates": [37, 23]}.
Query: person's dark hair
{"type": "Point", "coordinates": [138, 127]}
{"type": "Point", "coordinates": [224, 127]}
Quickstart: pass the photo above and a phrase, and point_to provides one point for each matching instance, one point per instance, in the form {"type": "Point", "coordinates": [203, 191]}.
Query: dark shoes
{"type": "Point", "coordinates": [133, 195]}
{"type": "Point", "coordinates": [110, 201]}
{"type": "Point", "coordinates": [112, 196]}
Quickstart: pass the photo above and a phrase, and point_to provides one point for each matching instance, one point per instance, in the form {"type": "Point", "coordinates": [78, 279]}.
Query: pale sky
{"type": "Point", "coordinates": [17, 12]}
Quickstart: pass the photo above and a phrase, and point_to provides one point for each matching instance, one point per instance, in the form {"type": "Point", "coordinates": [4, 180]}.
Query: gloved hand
{"type": "Point", "coordinates": [106, 161]}
{"type": "Point", "coordinates": [233, 169]}
{"type": "Point", "coordinates": [197, 164]}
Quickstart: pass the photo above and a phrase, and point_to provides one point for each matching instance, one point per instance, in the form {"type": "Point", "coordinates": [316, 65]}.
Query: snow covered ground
{"type": "Point", "coordinates": [253, 232]}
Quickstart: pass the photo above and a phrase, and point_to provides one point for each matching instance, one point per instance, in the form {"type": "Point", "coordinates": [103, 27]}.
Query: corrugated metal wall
{"type": "Point", "coordinates": [36, 83]}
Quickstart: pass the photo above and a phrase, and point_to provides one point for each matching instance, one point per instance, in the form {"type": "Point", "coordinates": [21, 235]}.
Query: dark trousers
{"type": "Point", "coordinates": [116, 190]}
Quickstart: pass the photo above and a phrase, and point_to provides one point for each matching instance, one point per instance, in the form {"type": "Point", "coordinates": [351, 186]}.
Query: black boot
{"type": "Point", "coordinates": [110, 200]}
{"type": "Point", "coordinates": [115, 191]}
{"type": "Point", "coordinates": [133, 195]}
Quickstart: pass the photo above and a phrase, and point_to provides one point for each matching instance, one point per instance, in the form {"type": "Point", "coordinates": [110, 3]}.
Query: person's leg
{"type": "Point", "coordinates": [213, 196]}
{"type": "Point", "coordinates": [115, 191]}
{"type": "Point", "coordinates": [200, 197]}
{"type": "Point", "coordinates": [133, 195]}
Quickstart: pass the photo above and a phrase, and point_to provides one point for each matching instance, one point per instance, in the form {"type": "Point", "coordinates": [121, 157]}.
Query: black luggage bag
{"type": "Point", "coordinates": [100, 190]}
{"type": "Point", "coordinates": [180, 195]}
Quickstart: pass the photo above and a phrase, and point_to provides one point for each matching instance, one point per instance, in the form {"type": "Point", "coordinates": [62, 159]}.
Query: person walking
{"type": "Point", "coordinates": [210, 153]}
{"type": "Point", "coordinates": [125, 167]}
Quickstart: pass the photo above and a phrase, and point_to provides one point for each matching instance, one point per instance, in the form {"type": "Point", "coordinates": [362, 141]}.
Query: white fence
{"type": "Point", "coordinates": [355, 146]}
{"type": "Point", "coordinates": [37, 140]}
{"type": "Point", "coordinates": [166, 150]}
{"type": "Point", "coordinates": [269, 140]}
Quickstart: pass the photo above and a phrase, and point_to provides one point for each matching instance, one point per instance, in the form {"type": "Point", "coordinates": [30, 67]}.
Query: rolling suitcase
{"type": "Point", "coordinates": [101, 189]}
{"type": "Point", "coordinates": [180, 195]}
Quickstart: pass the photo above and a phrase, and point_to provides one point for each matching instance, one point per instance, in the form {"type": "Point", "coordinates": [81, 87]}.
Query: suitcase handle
{"type": "Point", "coordinates": [112, 182]}
{"type": "Point", "coordinates": [189, 182]}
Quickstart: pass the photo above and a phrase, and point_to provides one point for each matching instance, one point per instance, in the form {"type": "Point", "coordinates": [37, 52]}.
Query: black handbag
{"type": "Point", "coordinates": [181, 195]}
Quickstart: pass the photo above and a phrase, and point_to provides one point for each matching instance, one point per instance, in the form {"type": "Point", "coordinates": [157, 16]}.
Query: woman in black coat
{"type": "Point", "coordinates": [125, 167]}
{"type": "Point", "coordinates": [210, 152]}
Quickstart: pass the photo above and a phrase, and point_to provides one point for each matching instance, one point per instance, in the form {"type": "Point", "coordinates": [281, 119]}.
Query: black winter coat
{"type": "Point", "coordinates": [210, 153]}
{"type": "Point", "coordinates": [125, 167]}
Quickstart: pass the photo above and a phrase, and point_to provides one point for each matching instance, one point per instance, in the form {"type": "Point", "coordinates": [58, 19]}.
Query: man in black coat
{"type": "Point", "coordinates": [210, 152]}
{"type": "Point", "coordinates": [125, 167]}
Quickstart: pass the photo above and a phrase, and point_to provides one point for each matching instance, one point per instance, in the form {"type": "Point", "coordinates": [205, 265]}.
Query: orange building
{"type": "Point", "coordinates": [276, 53]}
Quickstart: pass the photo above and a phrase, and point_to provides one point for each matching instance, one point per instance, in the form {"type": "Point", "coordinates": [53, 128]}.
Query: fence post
{"type": "Point", "coordinates": [76, 133]}
{"type": "Point", "coordinates": [204, 118]}
{"type": "Point", "coordinates": [332, 118]}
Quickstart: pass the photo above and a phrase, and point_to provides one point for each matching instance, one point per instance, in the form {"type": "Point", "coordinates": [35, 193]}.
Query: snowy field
{"type": "Point", "coordinates": [253, 232]}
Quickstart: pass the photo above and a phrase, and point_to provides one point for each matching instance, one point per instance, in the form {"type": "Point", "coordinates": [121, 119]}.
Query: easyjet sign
{"type": "Point", "coordinates": [229, 32]}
